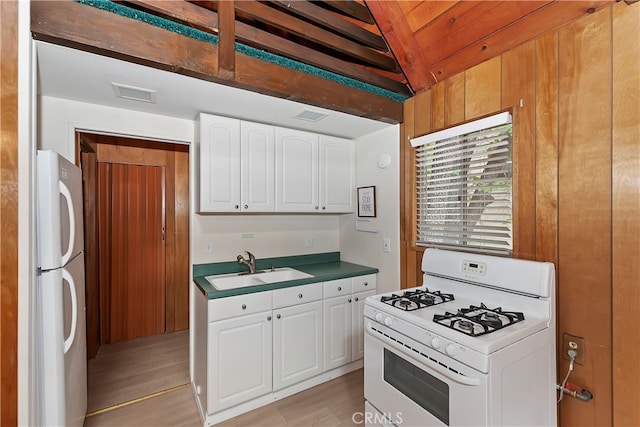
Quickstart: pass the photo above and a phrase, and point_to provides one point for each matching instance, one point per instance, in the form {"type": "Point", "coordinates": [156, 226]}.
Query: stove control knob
{"type": "Point", "coordinates": [451, 349]}
{"type": "Point", "coordinates": [435, 342]}
{"type": "Point", "coordinates": [388, 321]}
{"type": "Point", "coordinates": [379, 317]}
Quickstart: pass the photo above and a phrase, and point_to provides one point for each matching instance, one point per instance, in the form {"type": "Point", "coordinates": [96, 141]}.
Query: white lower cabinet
{"type": "Point", "coordinates": [297, 344]}
{"type": "Point", "coordinates": [240, 360]}
{"type": "Point", "coordinates": [256, 346]}
{"type": "Point", "coordinates": [343, 319]}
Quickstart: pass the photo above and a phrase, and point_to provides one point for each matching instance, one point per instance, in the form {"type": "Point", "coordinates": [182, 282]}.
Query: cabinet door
{"type": "Point", "coordinates": [219, 164]}
{"type": "Point", "coordinates": [337, 174]}
{"type": "Point", "coordinates": [337, 332]}
{"type": "Point", "coordinates": [296, 171]}
{"type": "Point", "coordinates": [257, 167]}
{"type": "Point", "coordinates": [357, 324]}
{"type": "Point", "coordinates": [297, 344]}
{"type": "Point", "coordinates": [240, 357]}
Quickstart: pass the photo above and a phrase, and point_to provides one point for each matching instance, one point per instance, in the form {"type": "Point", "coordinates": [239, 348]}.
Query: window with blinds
{"type": "Point", "coordinates": [464, 187]}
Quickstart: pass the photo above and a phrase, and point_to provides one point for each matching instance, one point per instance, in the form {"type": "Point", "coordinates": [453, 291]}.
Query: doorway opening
{"type": "Point", "coordinates": [136, 218]}
{"type": "Point", "coordinates": [119, 186]}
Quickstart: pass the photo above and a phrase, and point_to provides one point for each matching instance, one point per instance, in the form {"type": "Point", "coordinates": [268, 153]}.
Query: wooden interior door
{"type": "Point", "coordinates": [131, 205]}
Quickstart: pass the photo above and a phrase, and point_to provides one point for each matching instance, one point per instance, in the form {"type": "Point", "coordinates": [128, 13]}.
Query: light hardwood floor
{"type": "Point", "coordinates": [147, 381]}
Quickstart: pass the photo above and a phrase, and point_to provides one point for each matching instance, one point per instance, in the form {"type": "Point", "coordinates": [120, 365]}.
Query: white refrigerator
{"type": "Point", "coordinates": [60, 339]}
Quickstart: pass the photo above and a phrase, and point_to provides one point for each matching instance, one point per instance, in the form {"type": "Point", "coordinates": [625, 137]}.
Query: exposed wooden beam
{"type": "Point", "coordinates": [108, 34]}
{"type": "Point", "coordinates": [395, 29]}
{"type": "Point", "coordinates": [207, 20]}
{"type": "Point", "coordinates": [321, 16]}
{"type": "Point", "coordinates": [227, 33]}
{"type": "Point", "coordinates": [315, 34]}
{"type": "Point", "coordinates": [352, 9]}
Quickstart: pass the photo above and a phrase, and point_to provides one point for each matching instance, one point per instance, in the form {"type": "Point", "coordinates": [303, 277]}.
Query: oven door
{"type": "Point", "coordinates": [412, 384]}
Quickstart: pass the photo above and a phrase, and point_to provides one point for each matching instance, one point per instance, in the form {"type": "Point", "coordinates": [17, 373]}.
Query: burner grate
{"type": "Point", "coordinates": [416, 299]}
{"type": "Point", "coordinates": [476, 321]}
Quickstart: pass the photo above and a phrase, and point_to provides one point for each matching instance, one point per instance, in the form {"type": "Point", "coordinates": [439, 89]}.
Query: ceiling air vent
{"type": "Point", "coordinates": [310, 116]}
{"type": "Point", "coordinates": [135, 93]}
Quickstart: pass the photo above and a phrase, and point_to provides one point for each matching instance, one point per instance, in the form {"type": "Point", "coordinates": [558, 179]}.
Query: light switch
{"type": "Point", "coordinates": [386, 245]}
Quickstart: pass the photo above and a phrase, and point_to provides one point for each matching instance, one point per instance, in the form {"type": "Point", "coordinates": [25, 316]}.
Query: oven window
{"type": "Point", "coordinates": [424, 389]}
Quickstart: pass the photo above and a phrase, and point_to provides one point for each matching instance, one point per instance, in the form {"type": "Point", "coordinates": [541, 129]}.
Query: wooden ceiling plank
{"type": "Point", "coordinates": [105, 33]}
{"type": "Point", "coordinates": [289, 49]}
{"type": "Point", "coordinates": [460, 25]}
{"type": "Point", "coordinates": [550, 17]}
{"type": "Point", "coordinates": [180, 10]}
{"type": "Point", "coordinates": [227, 50]}
{"type": "Point", "coordinates": [301, 87]}
{"type": "Point", "coordinates": [394, 27]}
{"type": "Point", "coordinates": [353, 9]}
{"type": "Point", "coordinates": [315, 34]}
{"type": "Point", "coordinates": [426, 12]}
{"type": "Point", "coordinates": [317, 14]}
{"type": "Point", "coordinates": [207, 20]}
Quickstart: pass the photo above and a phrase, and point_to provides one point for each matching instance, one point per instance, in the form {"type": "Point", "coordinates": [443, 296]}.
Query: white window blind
{"type": "Point", "coordinates": [464, 187]}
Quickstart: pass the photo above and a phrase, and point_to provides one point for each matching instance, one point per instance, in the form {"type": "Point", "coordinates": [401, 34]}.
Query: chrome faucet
{"type": "Point", "coordinates": [251, 263]}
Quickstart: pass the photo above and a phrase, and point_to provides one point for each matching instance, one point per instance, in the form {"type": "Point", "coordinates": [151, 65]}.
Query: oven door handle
{"type": "Point", "coordinates": [462, 379]}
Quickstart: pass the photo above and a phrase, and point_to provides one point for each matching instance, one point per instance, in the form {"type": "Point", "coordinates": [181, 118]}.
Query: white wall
{"type": "Point", "coordinates": [60, 118]}
{"type": "Point", "coordinates": [363, 247]}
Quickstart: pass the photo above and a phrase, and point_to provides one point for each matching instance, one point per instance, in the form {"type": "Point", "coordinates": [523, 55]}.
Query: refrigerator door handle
{"type": "Point", "coordinates": [64, 190]}
{"type": "Point", "coordinates": [74, 310]}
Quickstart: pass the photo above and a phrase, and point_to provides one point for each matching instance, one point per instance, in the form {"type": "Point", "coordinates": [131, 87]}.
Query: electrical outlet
{"type": "Point", "coordinates": [208, 247]}
{"type": "Point", "coordinates": [310, 241]}
{"type": "Point", "coordinates": [386, 245]}
{"type": "Point", "coordinates": [570, 342]}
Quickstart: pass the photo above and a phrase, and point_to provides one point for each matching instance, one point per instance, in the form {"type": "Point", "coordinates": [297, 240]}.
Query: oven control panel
{"type": "Point", "coordinates": [474, 267]}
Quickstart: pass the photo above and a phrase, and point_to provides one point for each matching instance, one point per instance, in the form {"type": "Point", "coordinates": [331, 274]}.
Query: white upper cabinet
{"type": "Point", "coordinates": [219, 164]}
{"type": "Point", "coordinates": [253, 167]}
{"type": "Point", "coordinates": [337, 174]}
{"type": "Point", "coordinates": [257, 166]}
{"type": "Point", "coordinates": [237, 165]}
{"type": "Point", "coordinates": [314, 173]}
{"type": "Point", "coordinates": [296, 171]}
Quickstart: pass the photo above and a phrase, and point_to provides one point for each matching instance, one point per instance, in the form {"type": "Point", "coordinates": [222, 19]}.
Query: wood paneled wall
{"type": "Point", "coordinates": [575, 98]}
{"type": "Point", "coordinates": [9, 213]}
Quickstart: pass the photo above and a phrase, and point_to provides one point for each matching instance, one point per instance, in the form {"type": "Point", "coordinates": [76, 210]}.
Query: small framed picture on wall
{"type": "Point", "coordinates": [367, 201]}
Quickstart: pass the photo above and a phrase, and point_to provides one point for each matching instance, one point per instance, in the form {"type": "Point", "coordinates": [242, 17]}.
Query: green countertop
{"type": "Point", "coordinates": [322, 267]}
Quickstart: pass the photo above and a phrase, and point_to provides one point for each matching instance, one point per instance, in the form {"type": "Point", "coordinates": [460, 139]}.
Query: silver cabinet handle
{"type": "Point", "coordinates": [299, 295]}
{"type": "Point", "coordinates": [246, 206]}
{"type": "Point", "coordinates": [324, 208]}
{"type": "Point", "coordinates": [316, 207]}
{"type": "Point", "coordinates": [278, 316]}
{"type": "Point", "coordinates": [349, 300]}
{"type": "Point", "coordinates": [244, 306]}
{"type": "Point", "coordinates": [269, 318]}
{"type": "Point", "coordinates": [366, 283]}
{"type": "Point", "coordinates": [339, 288]}
{"type": "Point", "coordinates": [236, 207]}
{"type": "Point", "coordinates": [356, 299]}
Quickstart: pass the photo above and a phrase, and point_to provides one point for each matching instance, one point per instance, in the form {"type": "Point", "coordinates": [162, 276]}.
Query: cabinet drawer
{"type": "Point", "coordinates": [239, 305]}
{"type": "Point", "coordinates": [363, 283]}
{"type": "Point", "coordinates": [335, 288]}
{"type": "Point", "coordinates": [297, 295]}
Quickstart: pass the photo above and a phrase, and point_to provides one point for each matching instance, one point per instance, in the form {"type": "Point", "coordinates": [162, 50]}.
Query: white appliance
{"type": "Point", "coordinates": [474, 345]}
{"type": "Point", "coordinates": [60, 340]}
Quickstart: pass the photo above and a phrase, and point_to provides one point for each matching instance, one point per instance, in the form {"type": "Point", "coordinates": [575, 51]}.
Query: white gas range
{"type": "Point", "coordinates": [474, 345]}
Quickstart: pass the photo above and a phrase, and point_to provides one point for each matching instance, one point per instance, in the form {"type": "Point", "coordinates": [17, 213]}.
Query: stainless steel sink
{"type": "Point", "coordinates": [224, 282]}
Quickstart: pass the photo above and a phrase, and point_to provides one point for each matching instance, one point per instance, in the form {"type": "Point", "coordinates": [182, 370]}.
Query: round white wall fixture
{"type": "Point", "coordinates": [384, 160]}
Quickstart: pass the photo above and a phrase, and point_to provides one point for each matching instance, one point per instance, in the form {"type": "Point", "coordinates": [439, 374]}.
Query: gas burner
{"type": "Point", "coordinates": [476, 321]}
{"type": "Point", "coordinates": [415, 299]}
